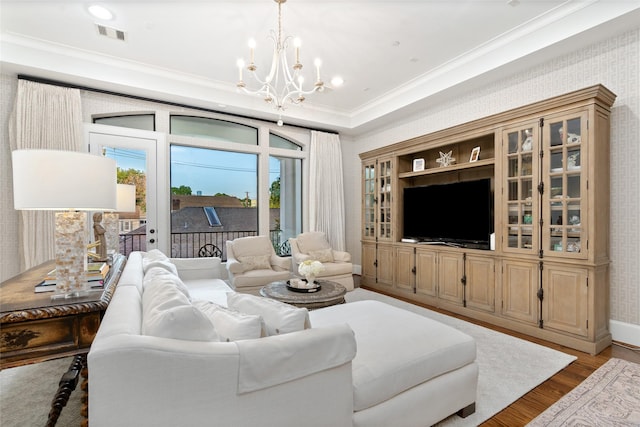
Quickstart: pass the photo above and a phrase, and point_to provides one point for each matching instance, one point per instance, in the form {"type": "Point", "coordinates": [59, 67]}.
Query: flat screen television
{"type": "Point", "coordinates": [459, 214]}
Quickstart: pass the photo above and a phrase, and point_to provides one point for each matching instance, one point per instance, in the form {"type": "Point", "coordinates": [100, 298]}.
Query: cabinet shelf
{"type": "Point", "coordinates": [458, 166]}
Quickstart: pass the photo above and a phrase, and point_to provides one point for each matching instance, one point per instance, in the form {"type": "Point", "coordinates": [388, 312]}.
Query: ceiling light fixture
{"type": "Point", "coordinates": [282, 84]}
{"type": "Point", "coordinates": [100, 12]}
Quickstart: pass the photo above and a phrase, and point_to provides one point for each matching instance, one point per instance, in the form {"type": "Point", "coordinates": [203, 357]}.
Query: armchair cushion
{"type": "Point", "coordinates": [340, 256]}
{"type": "Point", "coordinates": [279, 318]}
{"type": "Point", "coordinates": [255, 262]}
{"type": "Point", "coordinates": [280, 263]}
{"type": "Point", "coordinates": [322, 255]}
{"type": "Point", "coordinates": [312, 241]}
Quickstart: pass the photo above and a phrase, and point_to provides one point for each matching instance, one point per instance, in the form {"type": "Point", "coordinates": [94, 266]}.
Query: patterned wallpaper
{"type": "Point", "coordinates": [614, 62]}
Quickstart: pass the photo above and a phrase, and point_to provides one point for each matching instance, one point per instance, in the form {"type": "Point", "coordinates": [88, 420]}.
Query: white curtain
{"type": "Point", "coordinates": [44, 117]}
{"type": "Point", "coordinates": [326, 189]}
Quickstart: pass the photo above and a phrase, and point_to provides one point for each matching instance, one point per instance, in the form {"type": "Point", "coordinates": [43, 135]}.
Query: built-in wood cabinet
{"type": "Point", "coordinates": [547, 272]}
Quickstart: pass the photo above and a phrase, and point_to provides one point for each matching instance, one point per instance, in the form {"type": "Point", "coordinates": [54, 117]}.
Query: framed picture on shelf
{"type": "Point", "coordinates": [418, 165]}
{"type": "Point", "coordinates": [475, 154]}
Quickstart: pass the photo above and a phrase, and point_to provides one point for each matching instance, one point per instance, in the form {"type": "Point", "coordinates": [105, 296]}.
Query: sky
{"type": "Point", "coordinates": [205, 170]}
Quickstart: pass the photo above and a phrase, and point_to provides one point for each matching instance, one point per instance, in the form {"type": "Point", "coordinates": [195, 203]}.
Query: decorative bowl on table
{"type": "Point", "coordinates": [301, 285]}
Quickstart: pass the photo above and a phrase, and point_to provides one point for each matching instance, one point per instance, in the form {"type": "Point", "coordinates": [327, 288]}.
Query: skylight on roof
{"type": "Point", "coordinates": [212, 216]}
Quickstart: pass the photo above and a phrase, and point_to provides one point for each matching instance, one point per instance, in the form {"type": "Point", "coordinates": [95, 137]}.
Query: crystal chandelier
{"type": "Point", "coordinates": [282, 84]}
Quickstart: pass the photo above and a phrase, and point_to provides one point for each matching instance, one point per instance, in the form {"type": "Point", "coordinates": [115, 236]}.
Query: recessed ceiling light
{"type": "Point", "coordinates": [100, 12]}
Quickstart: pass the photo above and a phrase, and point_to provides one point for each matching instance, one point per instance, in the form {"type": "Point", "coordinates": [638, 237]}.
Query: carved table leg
{"type": "Point", "coordinates": [85, 396]}
{"type": "Point", "coordinates": [67, 384]}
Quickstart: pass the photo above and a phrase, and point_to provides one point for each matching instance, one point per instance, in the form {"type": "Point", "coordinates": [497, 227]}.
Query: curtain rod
{"type": "Point", "coordinates": [142, 98]}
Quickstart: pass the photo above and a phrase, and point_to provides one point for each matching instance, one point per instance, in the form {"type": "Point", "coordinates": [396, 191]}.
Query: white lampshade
{"type": "Point", "coordinates": [126, 198]}
{"type": "Point", "coordinates": [63, 180]}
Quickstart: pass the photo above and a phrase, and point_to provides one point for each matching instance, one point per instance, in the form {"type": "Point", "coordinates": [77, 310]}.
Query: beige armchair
{"type": "Point", "coordinates": [314, 245]}
{"type": "Point", "coordinates": [252, 263]}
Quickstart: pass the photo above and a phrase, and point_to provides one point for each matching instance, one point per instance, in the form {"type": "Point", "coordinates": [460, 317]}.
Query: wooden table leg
{"type": "Point", "coordinates": [67, 384]}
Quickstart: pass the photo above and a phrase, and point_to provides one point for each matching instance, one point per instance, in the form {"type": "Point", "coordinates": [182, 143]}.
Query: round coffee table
{"type": "Point", "coordinates": [330, 293]}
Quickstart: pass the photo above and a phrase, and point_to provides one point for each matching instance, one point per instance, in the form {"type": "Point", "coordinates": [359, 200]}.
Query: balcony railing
{"type": "Point", "coordinates": [194, 245]}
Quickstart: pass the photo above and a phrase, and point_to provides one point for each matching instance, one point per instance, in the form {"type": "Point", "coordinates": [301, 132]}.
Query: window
{"type": "Point", "coordinates": [213, 198]}
{"type": "Point", "coordinates": [212, 128]}
{"type": "Point", "coordinates": [133, 121]}
{"type": "Point", "coordinates": [225, 180]}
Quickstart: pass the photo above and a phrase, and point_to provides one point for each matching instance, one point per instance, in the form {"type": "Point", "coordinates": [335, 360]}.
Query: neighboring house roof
{"type": "Point", "coordinates": [194, 220]}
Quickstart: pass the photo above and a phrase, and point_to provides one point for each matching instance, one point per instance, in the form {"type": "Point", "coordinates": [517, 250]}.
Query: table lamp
{"type": "Point", "coordinates": [71, 182]}
{"type": "Point", "coordinates": [126, 202]}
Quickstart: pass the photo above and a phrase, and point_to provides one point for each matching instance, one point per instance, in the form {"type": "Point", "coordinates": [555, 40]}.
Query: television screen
{"type": "Point", "coordinates": [459, 213]}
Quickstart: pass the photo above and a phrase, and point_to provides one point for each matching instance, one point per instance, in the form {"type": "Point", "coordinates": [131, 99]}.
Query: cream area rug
{"type": "Point", "coordinates": [509, 367]}
{"type": "Point", "coordinates": [608, 397]}
{"type": "Point", "coordinates": [26, 393]}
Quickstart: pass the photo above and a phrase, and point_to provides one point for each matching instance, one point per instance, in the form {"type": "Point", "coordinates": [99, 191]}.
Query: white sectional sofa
{"type": "Point", "coordinates": [358, 364]}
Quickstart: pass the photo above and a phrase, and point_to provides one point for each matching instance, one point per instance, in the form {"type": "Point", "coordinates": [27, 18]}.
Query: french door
{"type": "Point", "coordinates": [140, 156]}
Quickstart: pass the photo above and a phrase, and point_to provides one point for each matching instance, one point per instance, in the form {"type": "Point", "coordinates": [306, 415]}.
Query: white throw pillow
{"type": "Point", "coordinates": [255, 262]}
{"type": "Point", "coordinates": [231, 325]}
{"type": "Point", "coordinates": [279, 318]}
{"type": "Point", "coordinates": [168, 313]}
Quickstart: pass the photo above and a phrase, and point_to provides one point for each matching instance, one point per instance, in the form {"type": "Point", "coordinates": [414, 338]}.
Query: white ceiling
{"type": "Point", "coordinates": [394, 56]}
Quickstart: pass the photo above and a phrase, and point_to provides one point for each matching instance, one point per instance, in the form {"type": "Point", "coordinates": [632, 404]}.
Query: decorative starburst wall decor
{"type": "Point", "coordinates": [446, 159]}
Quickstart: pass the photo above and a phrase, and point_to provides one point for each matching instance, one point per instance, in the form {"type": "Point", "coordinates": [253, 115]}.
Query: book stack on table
{"type": "Point", "coordinates": [96, 274]}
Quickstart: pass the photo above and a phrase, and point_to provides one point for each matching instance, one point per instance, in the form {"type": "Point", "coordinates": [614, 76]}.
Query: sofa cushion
{"type": "Point", "coordinates": [168, 313]}
{"type": "Point", "coordinates": [231, 325]}
{"type": "Point", "coordinates": [160, 274]}
{"type": "Point", "coordinates": [213, 290]}
{"type": "Point", "coordinates": [279, 318]}
{"type": "Point", "coordinates": [255, 262]}
{"type": "Point", "coordinates": [389, 362]}
{"type": "Point", "coordinates": [197, 268]}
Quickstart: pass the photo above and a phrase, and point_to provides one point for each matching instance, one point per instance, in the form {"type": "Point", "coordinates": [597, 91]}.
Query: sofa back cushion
{"type": "Point", "coordinates": [279, 318]}
{"type": "Point", "coordinates": [155, 258]}
{"type": "Point", "coordinates": [198, 268]}
{"type": "Point", "coordinates": [167, 311]}
{"type": "Point", "coordinates": [231, 325]}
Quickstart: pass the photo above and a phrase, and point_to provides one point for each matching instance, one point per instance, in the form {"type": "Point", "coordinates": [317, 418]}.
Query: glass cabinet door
{"type": "Point", "coordinates": [521, 191]}
{"type": "Point", "coordinates": [384, 199]}
{"type": "Point", "coordinates": [369, 202]}
{"type": "Point", "coordinates": [377, 182]}
{"type": "Point", "coordinates": [565, 189]}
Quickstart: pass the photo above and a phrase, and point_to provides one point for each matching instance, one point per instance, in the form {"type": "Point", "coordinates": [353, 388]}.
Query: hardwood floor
{"type": "Point", "coordinates": [546, 394]}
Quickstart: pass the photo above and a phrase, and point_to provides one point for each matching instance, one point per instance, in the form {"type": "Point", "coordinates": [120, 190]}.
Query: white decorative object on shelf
{"type": "Point", "coordinates": [446, 159]}
{"type": "Point", "coordinates": [418, 165]}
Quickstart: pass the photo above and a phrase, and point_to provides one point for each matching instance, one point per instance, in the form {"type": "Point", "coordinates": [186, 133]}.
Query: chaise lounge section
{"type": "Point", "coordinates": [358, 364]}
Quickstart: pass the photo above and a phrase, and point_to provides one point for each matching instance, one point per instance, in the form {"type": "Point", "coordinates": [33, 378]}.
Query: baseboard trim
{"type": "Point", "coordinates": [627, 333]}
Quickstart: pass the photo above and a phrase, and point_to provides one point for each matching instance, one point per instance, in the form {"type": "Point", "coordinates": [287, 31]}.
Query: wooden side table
{"type": "Point", "coordinates": [34, 328]}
